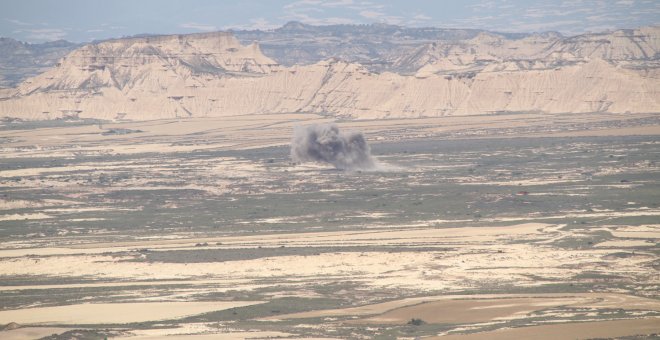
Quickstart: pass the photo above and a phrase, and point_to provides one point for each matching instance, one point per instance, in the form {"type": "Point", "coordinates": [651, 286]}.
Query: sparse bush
{"type": "Point", "coordinates": [416, 322]}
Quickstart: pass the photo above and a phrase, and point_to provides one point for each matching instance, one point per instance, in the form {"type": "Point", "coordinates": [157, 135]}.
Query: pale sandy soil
{"type": "Point", "coordinates": [18, 217]}
{"type": "Point", "coordinates": [622, 131]}
{"type": "Point", "coordinates": [469, 258]}
{"type": "Point", "coordinates": [582, 330]}
{"type": "Point", "coordinates": [625, 244]}
{"type": "Point", "coordinates": [568, 215]}
{"type": "Point", "coordinates": [476, 308]}
{"type": "Point", "coordinates": [537, 181]}
{"type": "Point", "coordinates": [370, 237]}
{"type": "Point", "coordinates": [218, 133]}
{"type": "Point", "coordinates": [219, 285]}
{"type": "Point", "coordinates": [108, 313]}
{"type": "Point", "coordinates": [466, 311]}
{"type": "Point", "coordinates": [357, 311]}
{"type": "Point", "coordinates": [229, 335]}
{"type": "Point", "coordinates": [31, 332]}
{"type": "Point", "coordinates": [245, 132]}
{"type": "Point", "coordinates": [201, 331]}
{"type": "Point", "coordinates": [9, 204]}
{"type": "Point", "coordinates": [640, 232]}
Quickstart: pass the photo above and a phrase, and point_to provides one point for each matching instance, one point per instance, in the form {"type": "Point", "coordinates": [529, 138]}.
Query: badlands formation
{"type": "Point", "coordinates": [535, 225]}
{"type": "Point", "coordinates": [214, 75]}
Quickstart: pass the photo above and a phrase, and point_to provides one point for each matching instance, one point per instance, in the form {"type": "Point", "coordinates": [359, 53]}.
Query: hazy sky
{"type": "Point", "coordinates": [86, 20]}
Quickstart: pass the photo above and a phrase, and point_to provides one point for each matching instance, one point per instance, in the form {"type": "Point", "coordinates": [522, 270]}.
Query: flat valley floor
{"type": "Point", "coordinates": [483, 227]}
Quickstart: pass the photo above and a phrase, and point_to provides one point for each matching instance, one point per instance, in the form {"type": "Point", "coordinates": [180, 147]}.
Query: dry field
{"type": "Point", "coordinates": [490, 227]}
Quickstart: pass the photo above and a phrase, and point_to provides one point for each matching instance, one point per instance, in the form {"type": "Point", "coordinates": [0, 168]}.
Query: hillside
{"type": "Point", "coordinates": [640, 46]}
{"type": "Point", "coordinates": [294, 43]}
{"type": "Point", "coordinates": [19, 60]}
{"type": "Point", "coordinates": [373, 45]}
{"type": "Point", "coordinates": [213, 74]}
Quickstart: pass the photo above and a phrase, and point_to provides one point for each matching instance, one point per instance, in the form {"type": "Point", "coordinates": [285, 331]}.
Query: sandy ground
{"type": "Point", "coordinates": [582, 330]}
{"type": "Point", "coordinates": [474, 249]}
{"type": "Point", "coordinates": [31, 332]}
{"type": "Point", "coordinates": [245, 132]}
{"type": "Point", "coordinates": [626, 244]}
{"type": "Point", "coordinates": [638, 232]}
{"type": "Point", "coordinates": [109, 313]}
{"type": "Point", "coordinates": [187, 333]}
{"type": "Point", "coordinates": [466, 256]}
{"type": "Point", "coordinates": [183, 332]}
{"type": "Point", "coordinates": [466, 311]}
{"type": "Point", "coordinates": [476, 308]}
{"type": "Point", "coordinates": [213, 336]}
{"type": "Point", "coordinates": [414, 234]}
{"type": "Point", "coordinates": [219, 283]}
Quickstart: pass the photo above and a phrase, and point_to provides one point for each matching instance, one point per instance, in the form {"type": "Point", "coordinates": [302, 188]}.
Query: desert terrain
{"type": "Point", "coordinates": [212, 75]}
{"type": "Point", "coordinates": [479, 227]}
{"type": "Point", "coordinates": [331, 182]}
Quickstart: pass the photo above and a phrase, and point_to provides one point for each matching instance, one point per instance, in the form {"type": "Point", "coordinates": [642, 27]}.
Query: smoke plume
{"type": "Point", "coordinates": [324, 143]}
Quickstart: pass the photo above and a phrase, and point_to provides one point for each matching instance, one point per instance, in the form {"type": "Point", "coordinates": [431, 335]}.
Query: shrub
{"type": "Point", "coordinates": [416, 322]}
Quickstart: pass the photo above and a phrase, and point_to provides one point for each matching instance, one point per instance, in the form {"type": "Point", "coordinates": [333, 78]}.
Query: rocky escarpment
{"type": "Point", "coordinates": [212, 74]}
{"type": "Point", "coordinates": [135, 62]}
{"type": "Point", "coordinates": [640, 46]}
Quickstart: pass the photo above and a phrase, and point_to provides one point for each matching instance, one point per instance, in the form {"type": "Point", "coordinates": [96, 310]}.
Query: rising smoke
{"type": "Point", "coordinates": [324, 143]}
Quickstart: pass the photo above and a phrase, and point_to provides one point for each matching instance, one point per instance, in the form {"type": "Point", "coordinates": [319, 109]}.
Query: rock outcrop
{"type": "Point", "coordinates": [212, 74]}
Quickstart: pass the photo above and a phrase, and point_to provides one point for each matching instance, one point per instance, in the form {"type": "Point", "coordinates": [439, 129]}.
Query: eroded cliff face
{"type": "Point", "coordinates": [535, 51]}
{"type": "Point", "coordinates": [214, 75]}
{"type": "Point", "coordinates": [140, 62]}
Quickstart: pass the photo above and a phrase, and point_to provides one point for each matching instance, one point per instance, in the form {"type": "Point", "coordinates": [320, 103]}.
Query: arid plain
{"type": "Point", "coordinates": [478, 227]}
{"type": "Point", "coordinates": [331, 182]}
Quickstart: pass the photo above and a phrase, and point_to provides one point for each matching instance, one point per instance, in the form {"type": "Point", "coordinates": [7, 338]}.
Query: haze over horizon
{"type": "Point", "coordinates": [83, 21]}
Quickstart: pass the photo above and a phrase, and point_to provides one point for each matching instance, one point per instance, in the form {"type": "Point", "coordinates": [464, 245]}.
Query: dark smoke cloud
{"type": "Point", "coordinates": [324, 143]}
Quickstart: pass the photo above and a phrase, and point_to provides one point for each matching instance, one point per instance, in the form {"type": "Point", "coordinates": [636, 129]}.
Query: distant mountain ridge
{"type": "Point", "coordinates": [379, 47]}
{"type": "Point", "coordinates": [470, 72]}
{"type": "Point", "coordinates": [19, 60]}
{"type": "Point", "coordinates": [292, 44]}
{"type": "Point", "coordinates": [622, 47]}
{"type": "Point", "coordinates": [296, 43]}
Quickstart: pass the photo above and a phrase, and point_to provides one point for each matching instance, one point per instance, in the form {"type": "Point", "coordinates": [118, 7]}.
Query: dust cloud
{"type": "Point", "coordinates": [325, 143]}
